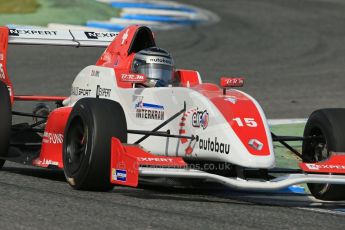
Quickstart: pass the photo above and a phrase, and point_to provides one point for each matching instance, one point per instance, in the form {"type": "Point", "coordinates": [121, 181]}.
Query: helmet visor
{"type": "Point", "coordinates": [160, 72]}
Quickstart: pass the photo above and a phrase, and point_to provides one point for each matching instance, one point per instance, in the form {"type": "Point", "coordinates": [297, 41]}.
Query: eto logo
{"type": "Point", "coordinates": [200, 119]}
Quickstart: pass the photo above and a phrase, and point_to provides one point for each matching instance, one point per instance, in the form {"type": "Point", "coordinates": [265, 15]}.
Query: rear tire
{"type": "Point", "coordinates": [5, 121]}
{"type": "Point", "coordinates": [330, 125]}
{"type": "Point", "coordinates": [87, 142]}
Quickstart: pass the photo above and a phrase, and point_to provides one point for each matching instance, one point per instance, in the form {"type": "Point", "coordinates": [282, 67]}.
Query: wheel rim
{"type": "Point", "coordinates": [76, 146]}
{"type": "Point", "coordinates": [319, 153]}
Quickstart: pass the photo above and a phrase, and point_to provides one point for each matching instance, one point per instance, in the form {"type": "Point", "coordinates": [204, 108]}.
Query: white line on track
{"type": "Point", "coordinates": [320, 210]}
{"type": "Point", "coordinates": [124, 21]}
{"type": "Point", "coordinates": [167, 3]}
{"type": "Point", "coordinates": [57, 26]}
{"type": "Point", "coordinates": [287, 121]}
{"type": "Point", "coordinates": [159, 12]}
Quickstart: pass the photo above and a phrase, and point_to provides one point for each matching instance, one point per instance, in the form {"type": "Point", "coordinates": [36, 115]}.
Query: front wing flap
{"type": "Point", "coordinates": [335, 164]}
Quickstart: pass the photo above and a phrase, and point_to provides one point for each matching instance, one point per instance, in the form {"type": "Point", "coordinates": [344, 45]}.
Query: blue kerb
{"type": "Point", "coordinates": [147, 5]}
{"type": "Point", "coordinates": [108, 26]}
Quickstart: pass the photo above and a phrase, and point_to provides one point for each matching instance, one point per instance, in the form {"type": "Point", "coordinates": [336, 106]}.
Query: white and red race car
{"type": "Point", "coordinates": [110, 131]}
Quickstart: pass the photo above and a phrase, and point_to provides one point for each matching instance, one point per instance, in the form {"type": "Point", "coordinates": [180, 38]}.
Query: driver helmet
{"type": "Point", "coordinates": [156, 64]}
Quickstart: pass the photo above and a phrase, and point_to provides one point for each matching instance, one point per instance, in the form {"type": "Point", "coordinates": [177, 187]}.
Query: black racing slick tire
{"type": "Point", "coordinates": [5, 121]}
{"type": "Point", "coordinates": [329, 126]}
{"type": "Point", "coordinates": [87, 142]}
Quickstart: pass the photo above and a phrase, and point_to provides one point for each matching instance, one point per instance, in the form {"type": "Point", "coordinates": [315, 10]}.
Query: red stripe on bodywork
{"type": "Point", "coordinates": [236, 104]}
{"type": "Point", "coordinates": [38, 98]}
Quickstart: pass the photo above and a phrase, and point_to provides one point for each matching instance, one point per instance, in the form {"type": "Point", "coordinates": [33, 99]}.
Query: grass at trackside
{"type": "Point", "coordinates": [18, 6]}
{"type": "Point", "coordinates": [55, 11]}
{"type": "Point", "coordinates": [284, 158]}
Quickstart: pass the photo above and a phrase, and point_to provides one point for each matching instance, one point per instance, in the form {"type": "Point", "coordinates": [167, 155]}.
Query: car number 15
{"type": "Point", "coordinates": [250, 122]}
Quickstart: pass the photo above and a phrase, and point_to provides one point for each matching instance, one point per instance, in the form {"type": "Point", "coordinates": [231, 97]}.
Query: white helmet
{"type": "Point", "coordinates": [156, 64]}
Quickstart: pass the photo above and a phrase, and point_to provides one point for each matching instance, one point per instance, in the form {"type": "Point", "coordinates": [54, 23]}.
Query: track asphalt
{"type": "Point", "coordinates": [292, 54]}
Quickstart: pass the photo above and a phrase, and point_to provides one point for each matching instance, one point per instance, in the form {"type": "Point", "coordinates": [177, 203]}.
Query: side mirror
{"type": "Point", "coordinates": [133, 78]}
{"type": "Point", "coordinates": [230, 82]}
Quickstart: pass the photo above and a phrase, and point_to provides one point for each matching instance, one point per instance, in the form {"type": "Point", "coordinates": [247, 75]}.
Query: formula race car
{"type": "Point", "coordinates": [133, 116]}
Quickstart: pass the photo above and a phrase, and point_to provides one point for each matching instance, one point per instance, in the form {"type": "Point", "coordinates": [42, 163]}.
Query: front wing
{"type": "Point", "coordinates": [128, 163]}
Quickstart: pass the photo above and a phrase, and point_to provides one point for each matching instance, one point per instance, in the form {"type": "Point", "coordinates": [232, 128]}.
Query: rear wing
{"type": "Point", "coordinates": [60, 37]}
{"type": "Point", "coordinates": [41, 36]}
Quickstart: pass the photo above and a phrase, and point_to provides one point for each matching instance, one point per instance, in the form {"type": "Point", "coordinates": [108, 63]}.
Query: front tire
{"type": "Point", "coordinates": [329, 125]}
{"type": "Point", "coordinates": [5, 121]}
{"type": "Point", "coordinates": [87, 142]}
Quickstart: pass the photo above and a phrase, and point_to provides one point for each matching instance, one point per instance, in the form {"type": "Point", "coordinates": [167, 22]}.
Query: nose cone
{"type": "Point", "coordinates": [246, 118]}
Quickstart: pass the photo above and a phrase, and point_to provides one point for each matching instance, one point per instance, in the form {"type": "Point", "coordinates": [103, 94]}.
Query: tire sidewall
{"type": "Point", "coordinates": [82, 112]}
{"type": "Point", "coordinates": [320, 122]}
{"type": "Point", "coordinates": [334, 135]}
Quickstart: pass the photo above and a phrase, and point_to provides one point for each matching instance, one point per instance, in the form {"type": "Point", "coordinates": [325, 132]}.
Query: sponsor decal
{"type": "Point", "coordinates": [119, 174]}
{"type": "Point", "coordinates": [133, 78]}
{"type": "Point", "coordinates": [2, 72]}
{"type": "Point", "coordinates": [148, 110]}
{"type": "Point", "coordinates": [200, 119]}
{"type": "Point", "coordinates": [49, 162]}
{"type": "Point", "coordinates": [214, 146]}
{"type": "Point", "coordinates": [76, 91]}
{"type": "Point", "coordinates": [154, 159]}
{"type": "Point", "coordinates": [2, 56]}
{"type": "Point", "coordinates": [95, 35]}
{"type": "Point", "coordinates": [102, 92]}
{"type": "Point", "coordinates": [159, 60]}
{"type": "Point", "coordinates": [232, 82]}
{"type": "Point", "coordinates": [84, 92]}
{"type": "Point", "coordinates": [18, 32]}
{"type": "Point", "coordinates": [52, 138]}
{"type": "Point", "coordinates": [94, 73]}
{"type": "Point", "coordinates": [318, 167]}
{"type": "Point", "coordinates": [124, 37]}
{"type": "Point", "coordinates": [312, 166]}
{"type": "Point", "coordinates": [255, 144]}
